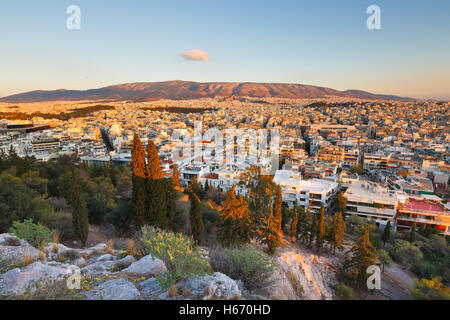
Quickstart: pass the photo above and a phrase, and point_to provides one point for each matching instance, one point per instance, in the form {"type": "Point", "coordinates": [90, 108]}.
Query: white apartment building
{"type": "Point", "coordinates": [372, 201]}
{"type": "Point", "coordinates": [313, 192]}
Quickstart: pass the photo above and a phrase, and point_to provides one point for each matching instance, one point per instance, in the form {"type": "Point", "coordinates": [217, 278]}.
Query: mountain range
{"type": "Point", "coordinates": [176, 90]}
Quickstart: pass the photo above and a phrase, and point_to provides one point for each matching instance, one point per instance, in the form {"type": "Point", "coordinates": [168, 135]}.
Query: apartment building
{"type": "Point", "coordinates": [45, 144]}
{"type": "Point", "coordinates": [313, 192]}
{"type": "Point", "coordinates": [371, 201]}
{"type": "Point", "coordinates": [426, 212]}
{"type": "Point", "coordinates": [376, 161]}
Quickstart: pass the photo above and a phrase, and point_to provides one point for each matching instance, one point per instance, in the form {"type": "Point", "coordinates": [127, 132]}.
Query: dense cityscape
{"type": "Point", "coordinates": [225, 159]}
{"type": "Point", "coordinates": [340, 166]}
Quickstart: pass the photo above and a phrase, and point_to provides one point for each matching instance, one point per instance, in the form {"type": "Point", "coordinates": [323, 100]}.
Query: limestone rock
{"type": "Point", "coordinates": [216, 286]}
{"type": "Point", "coordinates": [118, 289]}
{"type": "Point", "coordinates": [146, 266]}
{"type": "Point", "coordinates": [18, 281]}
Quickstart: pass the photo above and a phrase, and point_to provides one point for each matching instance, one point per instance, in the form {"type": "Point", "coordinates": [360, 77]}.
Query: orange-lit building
{"type": "Point", "coordinates": [425, 212]}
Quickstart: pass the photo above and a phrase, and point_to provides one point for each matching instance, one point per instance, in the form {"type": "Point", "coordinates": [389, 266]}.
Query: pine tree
{"type": "Point", "coordinates": [412, 233]}
{"type": "Point", "coordinates": [386, 233]}
{"type": "Point", "coordinates": [363, 255]}
{"type": "Point", "coordinates": [294, 223]}
{"type": "Point", "coordinates": [195, 216]}
{"type": "Point", "coordinates": [139, 176]}
{"type": "Point", "coordinates": [272, 237]}
{"type": "Point", "coordinates": [234, 221]}
{"type": "Point", "coordinates": [278, 209]}
{"type": "Point", "coordinates": [337, 230]}
{"type": "Point", "coordinates": [194, 187]}
{"type": "Point", "coordinates": [321, 230]}
{"type": "Point", "coordinates": [342, 203]}
{"type": "Point", "coordinates": [79, 211]}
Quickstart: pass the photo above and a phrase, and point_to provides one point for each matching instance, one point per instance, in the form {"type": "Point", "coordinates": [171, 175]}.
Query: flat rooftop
{"type": "Point", "coordinates": [369, 192]}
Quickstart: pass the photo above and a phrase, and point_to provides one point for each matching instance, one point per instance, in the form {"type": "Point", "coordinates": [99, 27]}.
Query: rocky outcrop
{"type": "Point", "coordinates": [13, 250]}
{"type": "Point", "coordinates": [146, 266]}
{"type": "Point", "coordinates": [216, 286]}
{"type": "Point", "coordinates": [119, 289]}
{"type": "Point", "coordinates": [19, 281]}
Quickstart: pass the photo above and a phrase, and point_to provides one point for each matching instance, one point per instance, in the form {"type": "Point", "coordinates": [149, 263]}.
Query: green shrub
{"type": "Point", "coordinates": [248, 264]}
{"type": "Point", "coordinates": [35, 234]}
{"type": "Point", "coordinates": [344, 292]}
{"type": "Point", "coordinates": [430, 290]}
{"type": "Point", "coordinates": [181, 256]}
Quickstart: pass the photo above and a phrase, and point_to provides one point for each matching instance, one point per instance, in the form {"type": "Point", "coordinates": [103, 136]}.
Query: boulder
{"type": "Point", "coordinates": [13, 250]}
{"type": "Point", "coordinates": [146, 266]}
{"type": "Point", "coordinates": [18, 281]}
{"type": "Point", "coordinates": [216, 286]}
{"type": "Point", "coordinates": [150, 287]}
{"type": "Point", "coordinates": [105, 257]}
{"type": "Point", "coordinates": [98, 268]}
{"type": "Point", "coordinates": [119, 289]}
{"type": "Point", "coordinates": [124, 263]}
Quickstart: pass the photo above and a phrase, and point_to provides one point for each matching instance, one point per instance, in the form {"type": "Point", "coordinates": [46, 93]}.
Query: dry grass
{"type": "Point", "coordinates": [56, 237]}
{"type": "Point", "coordinates": [26, 259]}
{"type": "Point", "coordinates": [109, 246]}
{"type": "Point", "coordinates": [131, 247]}
{"type": "Point", "coordinates": [42, 251]}
{"type": "Point", "coordinates": [173, 291]}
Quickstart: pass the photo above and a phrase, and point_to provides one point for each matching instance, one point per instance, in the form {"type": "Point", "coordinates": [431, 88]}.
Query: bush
{"type": "Point", "coordinates": [209, 215]}
{"type": "Point", "coordinates": [35, 234]}
{"type": "Point", "coordinates": [59, 221]}
{"type": "Point", "coordinates": [181, 256]}
{"type": "Point", "coordinates": [121, 217]}
{"type": "Point", "coordinates": [344, 292]}
{"type": "Point", "coordinates": [430, 290]}
{"type": "Point", "coordinates": [248, 264]}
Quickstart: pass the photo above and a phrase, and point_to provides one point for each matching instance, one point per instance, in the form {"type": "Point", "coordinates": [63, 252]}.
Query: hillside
{"type": "Point", "coordinates": [148, 91]}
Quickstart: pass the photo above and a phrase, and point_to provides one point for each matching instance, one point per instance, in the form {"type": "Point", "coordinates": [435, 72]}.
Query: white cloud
{"type": "Point", "coordinates": [197, 55]}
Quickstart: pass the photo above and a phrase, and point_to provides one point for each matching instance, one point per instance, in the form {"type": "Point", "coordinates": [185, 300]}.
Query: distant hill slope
{"type": "Point", "coordinates": [147, 91]}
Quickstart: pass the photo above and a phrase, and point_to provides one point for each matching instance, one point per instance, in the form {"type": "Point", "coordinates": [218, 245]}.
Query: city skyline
{"type": "Point", "coordinates": [323, 44]}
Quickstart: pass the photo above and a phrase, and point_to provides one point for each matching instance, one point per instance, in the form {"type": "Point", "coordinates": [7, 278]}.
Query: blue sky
{"type": "Point", "coordinates": [322, 42]}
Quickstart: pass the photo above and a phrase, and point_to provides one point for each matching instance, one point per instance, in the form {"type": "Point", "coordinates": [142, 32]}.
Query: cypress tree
{"type": "Point", "coordinates": [155, 171]}
{"type": "Point", "coordinates": [337, 232]}
{"type": "Point", "coordinates": [321, 230]}
{"type": "Point", "coordinates": [234, 221]}
{"type": "Point", "coordinates": [79, 211]}
{"type": "Point", "coordinates": [312, 228]}
{"type": "Point", "coordinates": [195, 216]}
{"type": "Point", "coordinates": [139, 176]}
{"type": "Point", "coordinates": [175, 177]}
{"type": "Point", "coordinates": [272, 237]}
{"type": "Point", "coordinates": [156, 189]}
{"type": "Point", "coordinates": [386, 233]}
{"type": "Point", "coordinates": [363, 255]}
{"type": "Point", "coordinates": [304, 224]}
{"type": "Point", "coordinates": [294, 223]}
{"type": "Point", "coordinates": [277, 209]}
